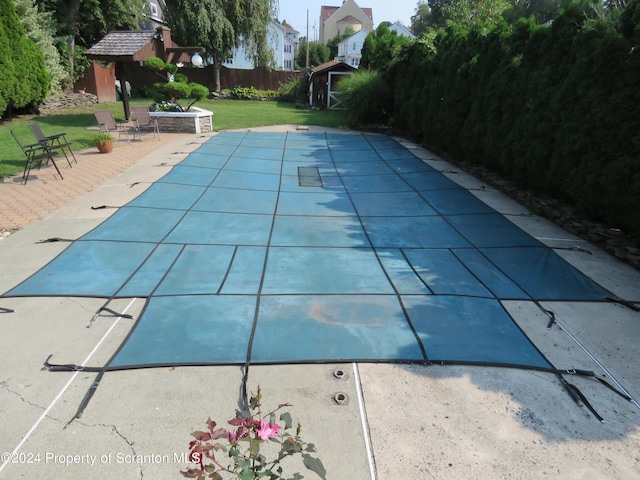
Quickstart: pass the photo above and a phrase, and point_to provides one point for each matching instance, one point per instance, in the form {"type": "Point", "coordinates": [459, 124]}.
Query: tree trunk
{"type": "Point", "coordinates": [217, 67]}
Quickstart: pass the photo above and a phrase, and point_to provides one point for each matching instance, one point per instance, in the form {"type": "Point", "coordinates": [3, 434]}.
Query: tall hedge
{"type": "Point", "coordinates": [24, 80]}
{"type": "Point", "coordinates": [554, 107]}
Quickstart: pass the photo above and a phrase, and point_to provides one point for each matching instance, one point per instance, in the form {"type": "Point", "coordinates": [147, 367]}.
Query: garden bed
{"type": "Point", "coordinates": [198, 120]}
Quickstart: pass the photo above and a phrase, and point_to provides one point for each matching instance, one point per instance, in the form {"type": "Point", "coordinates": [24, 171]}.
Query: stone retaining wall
{"type": "Point", "coordinates": [62, 102]}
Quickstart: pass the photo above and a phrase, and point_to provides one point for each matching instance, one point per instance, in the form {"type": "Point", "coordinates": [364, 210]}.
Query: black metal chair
{"type": "Point", "coordinates": [55, 142]}
{"type": "Point", "coordinates": [36, 154]}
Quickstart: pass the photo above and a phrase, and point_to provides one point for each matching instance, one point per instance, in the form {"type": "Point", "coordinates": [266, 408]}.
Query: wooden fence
{"type": "Point", "coordinates": [261, 78]}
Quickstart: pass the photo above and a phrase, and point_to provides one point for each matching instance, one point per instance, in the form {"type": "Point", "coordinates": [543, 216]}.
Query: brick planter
{"type": "Point", "coordinates": [198, 121]}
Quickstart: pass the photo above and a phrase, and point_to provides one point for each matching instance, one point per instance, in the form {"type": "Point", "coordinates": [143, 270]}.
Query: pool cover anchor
{"type": "Point", "coordinates": [103, 207]}
{"type": "Point", "coordinates": [68, 367]}
{"type": "Point", "coordinates": [112, 313]}
{"type": "Point", "coordinates": [54, 240]}
{"type": "Point", "coordinates": [579, 397]}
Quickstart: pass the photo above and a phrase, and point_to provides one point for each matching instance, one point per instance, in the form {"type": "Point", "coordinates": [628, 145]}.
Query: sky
{"type": "Point", "coordinates": [295, 12]}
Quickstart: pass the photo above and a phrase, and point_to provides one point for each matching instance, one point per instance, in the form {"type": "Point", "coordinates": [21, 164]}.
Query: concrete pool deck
{"type": "Point", "coordinates": [399, 421]}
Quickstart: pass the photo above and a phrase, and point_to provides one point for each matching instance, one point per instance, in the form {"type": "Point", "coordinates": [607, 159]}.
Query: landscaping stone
{"type": "Point", "coordinates": [57, 103]}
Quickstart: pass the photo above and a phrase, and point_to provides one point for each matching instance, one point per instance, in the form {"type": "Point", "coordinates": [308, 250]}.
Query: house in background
{"type": "Point", "coordinates": [401, 30]}
{"type": "Point", "coordinates": [156, 17]}
{"type": "Point", "coordinates": [335, 20]}
{"type": "Point", "coordinates": [282, 48]}
{"type": "Point", "coordinates": [293, 35]}
{"type": "Point", "coordinates": [350, 49]}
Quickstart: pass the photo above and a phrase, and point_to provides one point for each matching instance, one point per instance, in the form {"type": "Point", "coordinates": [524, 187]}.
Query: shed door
{"type": "Point", "coordinates": [332, 100]}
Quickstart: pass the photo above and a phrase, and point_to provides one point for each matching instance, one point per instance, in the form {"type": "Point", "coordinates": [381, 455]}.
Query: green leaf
{"type": "Point", "coordinates": [315, 465]}
{"type": "Point", "coordinates": [254, 446]}
{"type": "Point", "coordinates": [286, 418]}
{"type": "Point", "coordinates": [246, 475]}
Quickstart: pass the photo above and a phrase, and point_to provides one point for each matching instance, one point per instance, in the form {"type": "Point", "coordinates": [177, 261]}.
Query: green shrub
{"type": "Point", "coordinates": [180, 78]}
{"type": "Point", "coordinates": [174, 90]}
{"type": "Point", "coordinates": [366, 97]}
{"type": "Point", "coordinates": [243, 93]}
{"type": "Point", "coordinates": [294, 91]}
{"type": "Point", "coordinates": [24, 80]}
{"type": "Point", "coordinates": [154, 63]}
{"type": "Point", "coordinates": [555, 107]}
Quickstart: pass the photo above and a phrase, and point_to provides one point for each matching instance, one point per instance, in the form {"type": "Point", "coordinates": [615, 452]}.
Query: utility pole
{"type": "Point", "coordinates": [307, 63]}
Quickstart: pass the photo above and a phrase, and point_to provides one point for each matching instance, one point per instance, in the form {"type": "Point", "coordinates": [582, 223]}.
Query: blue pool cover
{"type": "Point", "coordinates": [293, 248]}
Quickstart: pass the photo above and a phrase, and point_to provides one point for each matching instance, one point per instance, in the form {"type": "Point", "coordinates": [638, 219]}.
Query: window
{"type": "Point", "coordinates": [354, 46]}
{"type": "Point", "coordinates": [287, 49]}
{"type": "Point", "coordinates": [154, 9]}
{"type": "Point", "coordinates": [288, 65]}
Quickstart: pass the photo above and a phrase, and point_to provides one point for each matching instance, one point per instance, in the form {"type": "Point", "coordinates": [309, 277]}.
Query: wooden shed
{"type": "Point", "coordinates": [133, 48]}
{"type": "Point", "coordinates": [323, 82]}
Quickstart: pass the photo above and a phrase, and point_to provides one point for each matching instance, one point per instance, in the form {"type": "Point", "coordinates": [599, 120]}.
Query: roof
{"type": "Point", "coordinates": [401, 30]}
{"type": "Point", "coordinates": [289, 29]}
{"type": "Point", "coordinates": [332, 65]}
{"type": "Point", "coordinates": [326, 11]}
{"type": "Point", "coordinates": [132, 46]}
{"type": "Point", "coordinates": [355, 37]}
{"type": "Point", "coordinates": [122, 43]}
{"type": "Point", "coordinates": [349, 19]}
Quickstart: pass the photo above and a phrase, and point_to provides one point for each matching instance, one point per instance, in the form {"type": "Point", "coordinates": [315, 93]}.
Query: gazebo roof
{"type": "Point", "coordinates": [123, 46]}
{"type": "Point", "coordinates": [133, 46]}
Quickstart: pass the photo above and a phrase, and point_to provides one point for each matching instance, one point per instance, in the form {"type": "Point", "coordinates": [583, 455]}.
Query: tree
{"type": "Point", "coordinates": [81, 23]}
{"type": "Point", "coordinates": [481, 14]}
{"type": "Point", "coordinates": [318, 54]}
{"type": "Point", "coordinates": [222, 25]}
{"type": "Point", "coordinates": [381, 47]}
{"type": "Point", "coordinates": [542, 10]}
{"type": "Point", "coordinates": [38, 26]}
{"type": "Point", "coordinates": [428, 14]}
{"type": "Point", "coordinates": [178, 87]}
{"type": "Point", "coordinates": [24, 82]}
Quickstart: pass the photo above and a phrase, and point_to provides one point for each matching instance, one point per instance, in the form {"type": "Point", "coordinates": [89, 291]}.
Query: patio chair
{"type": "Point", "coordinates": [36, 154]}
{"type": "Point", "coordinates": [108, 124]}
{"type": "Point", "coordinates": [55, 142]}
{"type": "Point", "coordinates": [144, 120]}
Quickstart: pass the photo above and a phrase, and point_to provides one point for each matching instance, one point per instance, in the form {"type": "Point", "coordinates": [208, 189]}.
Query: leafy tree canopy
{"type": "Point", "coordinates": [319, 53]}
{"type": "Point", "coordinates": [381, 47]}
{"type": "Point", "coordinates": [39, 27]}
{"type": "Point", "coordinates": [222, 25]}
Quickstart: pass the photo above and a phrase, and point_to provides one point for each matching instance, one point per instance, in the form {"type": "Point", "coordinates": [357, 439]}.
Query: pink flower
{"type": "Point", "coordinates": [234, 436]}
{"type": "Point", "coordinates": [267, 431]}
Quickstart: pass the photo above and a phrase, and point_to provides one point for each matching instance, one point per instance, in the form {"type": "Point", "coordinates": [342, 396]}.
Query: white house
{"type": "Point", "coordinates": [401, 30]}
{"type": "Point", "coordinates": [281, 45]}
{"type": "Point", "coordinates": [350, 49]}
{"type": "Point", "coordinates": [292, 34]}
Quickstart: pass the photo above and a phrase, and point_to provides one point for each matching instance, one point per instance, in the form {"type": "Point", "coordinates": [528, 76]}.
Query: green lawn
{"type": "Point", "coordinates": [227, 114]}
